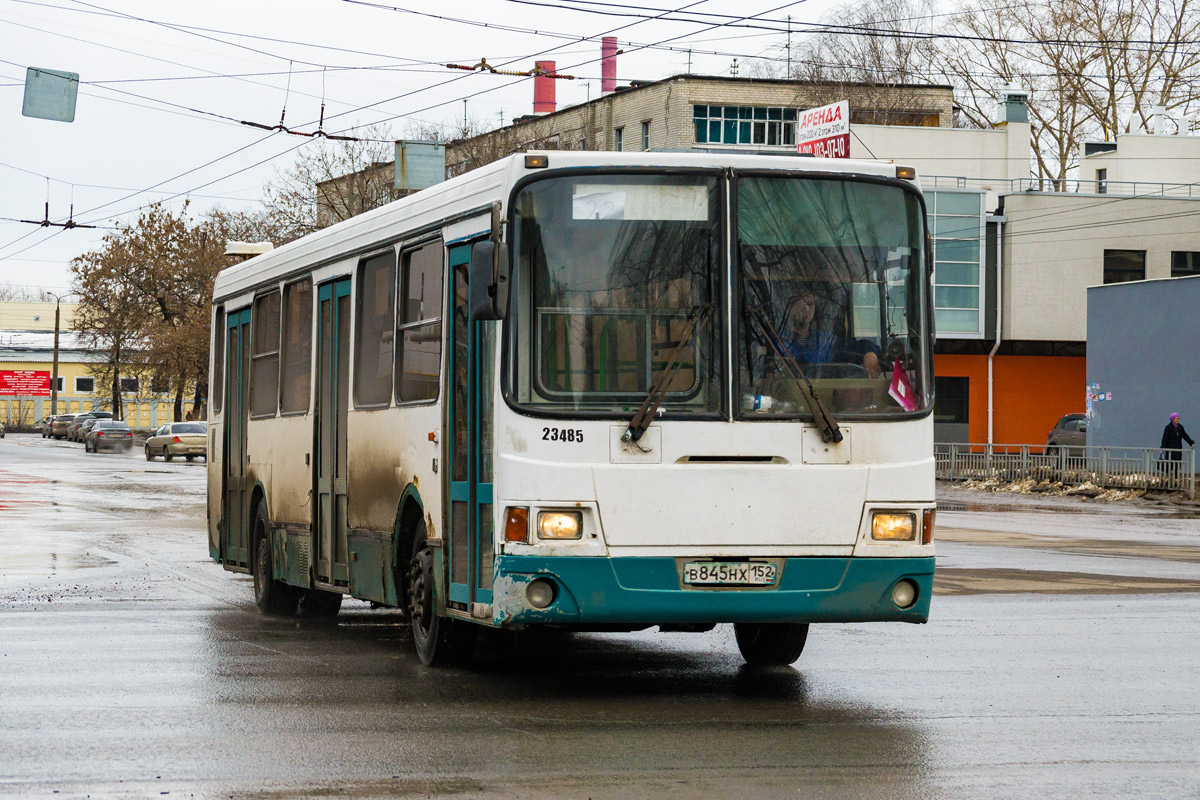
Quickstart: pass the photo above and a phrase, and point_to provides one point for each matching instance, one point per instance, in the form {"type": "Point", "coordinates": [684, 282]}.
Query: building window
{"type": "Point", "coordinates": [82, 385]}
{"type": "Point", "coordinates": [957, 222]}
{"type": "Point", "coordinates": [129, 385]}
{"type": "Point", "coordinates": [951, 410]}
{"type": "Point", "coordinates": [297, 347]}
{"type": "Point", "coordinates": [646, 135]}
{"type": "Point", "coordinates": [160, 386]}
{"type": "Point", "coordinates": [373, 336]}
{"type": "Point", "coordinates": [952, 400]}
{"type": "Point", "coordinates": [264, 357]}
{"type": "Point", "coordinates": [619, 139]}
{"type": "Point", "coordinates": [739, 125]}
{"type": "Point", "coordinates": [1122, 266]}
{"type": "Point", "coordinates": [419, 325]}
{"type": "Point", "coordinates": [1184, 263]}
{"type": "Point", "coordinates": [1102, 181]}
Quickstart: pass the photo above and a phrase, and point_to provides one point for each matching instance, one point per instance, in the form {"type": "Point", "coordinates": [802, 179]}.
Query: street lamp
{"type": "Point", "coordinates": [54, 375]}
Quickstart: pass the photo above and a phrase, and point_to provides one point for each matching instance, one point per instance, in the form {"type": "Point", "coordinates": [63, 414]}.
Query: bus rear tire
{"type": "Point", "coordinates": [271, 596]}
{"type": "Point", "coordinates": [439, 641]}
{"type": "Point", "coordinates": [770, 644]}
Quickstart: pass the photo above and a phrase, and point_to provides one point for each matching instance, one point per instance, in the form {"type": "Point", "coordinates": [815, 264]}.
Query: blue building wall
{"type": "Point", "coordinates": [1143, 349]}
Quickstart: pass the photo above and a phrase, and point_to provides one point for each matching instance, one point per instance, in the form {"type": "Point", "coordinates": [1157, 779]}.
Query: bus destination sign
{"type": "Point", "coordinates": [24, 383]}
{"type": "Point", "coordinates": [824, 131]}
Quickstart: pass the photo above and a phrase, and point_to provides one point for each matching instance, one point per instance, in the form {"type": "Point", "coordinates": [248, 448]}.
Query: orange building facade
{"type": "Point", "coordinates": [1030, 393]}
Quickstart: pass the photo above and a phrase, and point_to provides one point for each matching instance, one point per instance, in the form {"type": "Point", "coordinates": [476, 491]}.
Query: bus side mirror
{"type": "Point", "coordinates": [489, 281]}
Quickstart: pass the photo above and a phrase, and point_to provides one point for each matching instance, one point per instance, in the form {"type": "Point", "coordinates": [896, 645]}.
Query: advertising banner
{"type": "Point", "coordinates": [24, 383]}
{"type": "Point", "coordinates": [824, 131]}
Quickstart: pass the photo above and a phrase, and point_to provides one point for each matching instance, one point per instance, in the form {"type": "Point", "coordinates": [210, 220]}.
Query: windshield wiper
{"type": "Point", "coordinates": [830, 432]}
{"type": "Point", "coordinates": [645, 415]}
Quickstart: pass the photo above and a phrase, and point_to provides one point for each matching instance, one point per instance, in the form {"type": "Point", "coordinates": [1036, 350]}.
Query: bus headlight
{"type": "Point", "coordinates": [560, 524]}
{"type": "Point", "coordinates": [891, 527]}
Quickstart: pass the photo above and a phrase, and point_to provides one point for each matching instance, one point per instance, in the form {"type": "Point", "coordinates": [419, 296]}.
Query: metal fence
{"type": "Point", "coordinates": [1149, 468]}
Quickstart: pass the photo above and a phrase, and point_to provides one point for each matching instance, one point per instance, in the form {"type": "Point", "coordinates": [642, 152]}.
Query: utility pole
{"type": "Point", "coordinates": [789, 47]}
{"type": "Point", "coordinates": [54, 374]}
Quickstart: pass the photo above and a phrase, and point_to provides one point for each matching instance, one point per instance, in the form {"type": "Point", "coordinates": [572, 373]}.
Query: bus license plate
{"type": "Point", "coordinates": [729, 573]}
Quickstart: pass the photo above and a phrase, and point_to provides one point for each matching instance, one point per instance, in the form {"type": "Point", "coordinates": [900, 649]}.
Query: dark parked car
{"type": "Point", "coordinates": [74, 434]}
{"type": "Point", "coordinates": [1070, 432]}
{"type": "Point", "coordinates": [84, 427]}
{"type": "Point", "coordinates": [108, 434]}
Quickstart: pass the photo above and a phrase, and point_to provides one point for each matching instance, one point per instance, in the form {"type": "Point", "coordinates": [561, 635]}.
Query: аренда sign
{"type": "Point", "coordinates": [824, 131]}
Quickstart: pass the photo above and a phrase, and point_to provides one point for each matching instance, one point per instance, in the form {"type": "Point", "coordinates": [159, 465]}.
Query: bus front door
{"type": "Point", "coordinates": [235, 536]}
{"type": "Point", "coordinates": [329, 464]}
{"type": "Point", "coordinates": [472, 366]}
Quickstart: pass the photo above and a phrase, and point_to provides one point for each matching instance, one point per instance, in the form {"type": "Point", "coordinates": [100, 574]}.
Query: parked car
{"type": "Point", "coordinates": [73, 431]}
{"type": "Point", "coordinates": [73, 428]}
{"type": "Point", "coordinates": [61, 425]}
{"type": "Point", "coordinates": [108, 434]}
{"type": "Point", "coordinates": [1070, 432]}
{"type": "Point", "coordinates": [187, 439]}
{"type": "Point", "coordinates": [81, 434]}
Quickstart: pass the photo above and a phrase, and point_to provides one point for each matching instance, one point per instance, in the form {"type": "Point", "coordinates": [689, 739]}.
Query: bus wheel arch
{"type": "Point", "coordinates": [270, 595]}
{"type": "Point", "coordinates": [410, 514]}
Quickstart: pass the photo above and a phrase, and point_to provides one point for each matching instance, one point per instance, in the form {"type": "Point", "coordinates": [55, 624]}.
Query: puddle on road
{"type": "Point", "coordinates": [18, 568]}
{"type": "Point", "coordinates": [1085, 547]}
{"type": "Point", "coordinates": [950, 581]}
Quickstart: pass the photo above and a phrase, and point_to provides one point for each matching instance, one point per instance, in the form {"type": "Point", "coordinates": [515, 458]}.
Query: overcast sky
{"type": "Point", "coordinates": [139, 136]}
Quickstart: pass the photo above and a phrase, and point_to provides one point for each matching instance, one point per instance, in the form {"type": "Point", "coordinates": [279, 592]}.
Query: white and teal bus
{"type": "Point", "coordinates": [593, 391]}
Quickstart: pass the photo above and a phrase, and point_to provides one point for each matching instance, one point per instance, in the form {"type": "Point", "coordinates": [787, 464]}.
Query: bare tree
{"type": "Point", "coordinates": [1093, 68]}
{"type": "Point", "coordinates": [10, 293]}
{"type": "Point", "coordinates": [329, 182]}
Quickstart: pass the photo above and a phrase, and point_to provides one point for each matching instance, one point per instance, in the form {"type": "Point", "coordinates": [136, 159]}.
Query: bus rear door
{"type": "Point", "coordinates": [235, 547]}
{"type": "Point", "coordinates": [333, 398]}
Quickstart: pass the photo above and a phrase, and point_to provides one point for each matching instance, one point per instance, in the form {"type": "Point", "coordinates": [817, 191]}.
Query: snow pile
{"type": "Point", "coordinates": [1056, 488]}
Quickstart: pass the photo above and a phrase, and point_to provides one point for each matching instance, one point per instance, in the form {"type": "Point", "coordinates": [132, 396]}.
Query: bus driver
{"type": "Point", "coordinates": [811, 345]}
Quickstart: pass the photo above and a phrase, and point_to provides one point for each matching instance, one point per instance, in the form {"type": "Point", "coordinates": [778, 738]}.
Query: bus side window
{"type": "Point", "coordinates": [419, 325]}
{"type": "Point", "coordinates": [296, 371]}
{"type": "Point", "coordinates": [216, 381]}
{"type": "Point", "coordinates": [264, 370]}
{"type": "Point", "coordinates": [373, 337]}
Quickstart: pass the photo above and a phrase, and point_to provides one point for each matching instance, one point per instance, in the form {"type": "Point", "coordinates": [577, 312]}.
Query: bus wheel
{"type": "Point", "coordinates": [271, 596]}
{"type": "Point", "coordinates": [319, 604]}
{"type": "Point", "coordinates": [770, 644]}
{"type": "Point", "coordinates": [439, 640]}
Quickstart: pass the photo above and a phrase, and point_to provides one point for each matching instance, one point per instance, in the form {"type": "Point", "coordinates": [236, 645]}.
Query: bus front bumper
{"type": "Point", "coordinates": [649, 591]}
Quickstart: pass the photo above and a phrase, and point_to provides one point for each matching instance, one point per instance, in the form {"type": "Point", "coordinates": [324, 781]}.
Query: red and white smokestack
{"type": "Point", "coordinates": [608, 65]}
{"type": "Point", "coordinates": [543, 88]}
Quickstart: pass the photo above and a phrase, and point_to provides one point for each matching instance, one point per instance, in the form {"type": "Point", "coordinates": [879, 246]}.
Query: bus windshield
{"type": "Point", "coordinates": [830, 290]}
{"type": "Point", "coordinates": [610, 272]}
{"type": "Point", "coordinates": [619, 277]}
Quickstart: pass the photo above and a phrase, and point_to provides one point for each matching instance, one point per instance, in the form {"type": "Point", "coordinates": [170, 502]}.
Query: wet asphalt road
{"type": "Point", "coordinates": [1062, 660]}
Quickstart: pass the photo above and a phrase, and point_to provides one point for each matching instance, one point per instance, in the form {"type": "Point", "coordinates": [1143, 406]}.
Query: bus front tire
{"type": "Point", "coordinates": [770, 644]}
{"type": "Point", "coordinates": [271, 596]}
{"type": "Point", "coordinates": [439, 640]}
